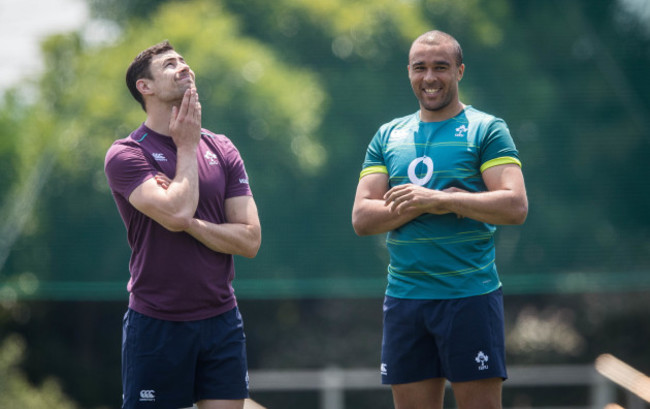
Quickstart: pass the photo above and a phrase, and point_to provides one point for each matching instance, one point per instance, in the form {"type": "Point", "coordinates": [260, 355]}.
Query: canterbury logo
{"type": "Point", "coordinates": [147, 395]}
{"type": "Point", "coordinates": [159, 157]}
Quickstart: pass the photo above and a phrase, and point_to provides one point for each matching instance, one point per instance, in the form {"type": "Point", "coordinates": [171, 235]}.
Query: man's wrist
{"type": "Point", "coordinates": [186, 149]}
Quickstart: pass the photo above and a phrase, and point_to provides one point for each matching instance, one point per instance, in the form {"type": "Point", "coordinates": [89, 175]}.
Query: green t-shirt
{"type": "Point", "coordinates": [441, 256]}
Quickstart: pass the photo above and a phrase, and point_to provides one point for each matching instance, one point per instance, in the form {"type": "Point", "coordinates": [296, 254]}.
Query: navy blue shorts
{"type": "Point", "coordinates": [171, 365]}
{"type": "Point", "coordinates": [459, 339]}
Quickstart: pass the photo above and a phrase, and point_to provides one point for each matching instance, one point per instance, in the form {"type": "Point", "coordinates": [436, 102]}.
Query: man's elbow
{"type": "Point", "coordinates": [251, 252]}
{"type": "Point", "coordinates": [361, 229]}
{"type": "Point", "coordinates": [519, 213]}
{"type": "Point", "coordinates": [174, 219]}
{"type": "Point", "coordinates": [176, 224]}
{"type": "Point", "coordinates": [254, 244]}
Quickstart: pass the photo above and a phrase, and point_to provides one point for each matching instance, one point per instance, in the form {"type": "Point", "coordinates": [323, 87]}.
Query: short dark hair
{"type": "Point", "coordinates": [140, 67]}
{"type": "Point", "coordinates": [436, 37]}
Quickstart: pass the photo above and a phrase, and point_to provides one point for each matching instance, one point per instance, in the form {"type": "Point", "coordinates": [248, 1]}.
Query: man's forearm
{"type": "Point", "coordinates": [172, 203]}
{"type": "Point", "coordinates": [185, 131]}
{"type": "Point", "coordinates": [372, 216]}
{"type": "Point", "coordinates": [183, 191]}
{"type": "Point", "coordinates": [228, 238]}
{"type": "Point", "coordinates": [501, 207]}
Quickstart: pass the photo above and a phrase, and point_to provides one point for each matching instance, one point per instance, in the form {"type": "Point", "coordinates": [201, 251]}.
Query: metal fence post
{"type": "Point", "coordinates": [603, 392]}
{"type": "Point", "coordinates": [332, 394]}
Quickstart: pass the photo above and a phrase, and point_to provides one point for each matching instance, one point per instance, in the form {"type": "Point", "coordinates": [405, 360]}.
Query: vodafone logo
{"type": "Point", "coordinates": [413, 166]}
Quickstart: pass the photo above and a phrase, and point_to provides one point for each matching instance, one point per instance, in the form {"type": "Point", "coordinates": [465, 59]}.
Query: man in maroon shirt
{"type": "Point", "coordinates": [184, 196]}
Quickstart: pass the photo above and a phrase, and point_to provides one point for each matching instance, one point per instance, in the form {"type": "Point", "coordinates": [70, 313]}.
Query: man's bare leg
{"type": "Point", "coordinates": [426, 394]}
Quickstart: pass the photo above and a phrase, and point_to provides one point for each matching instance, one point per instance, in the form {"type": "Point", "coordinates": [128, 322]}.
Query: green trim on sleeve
{"type": "Point", "coordinates": [499, 161]}
{"type": "Point", "coordinates": [373, 169]}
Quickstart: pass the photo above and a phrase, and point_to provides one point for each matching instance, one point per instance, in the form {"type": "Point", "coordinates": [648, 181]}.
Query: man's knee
{"type": "Point", "coordinates": [426, 394]}
{"type": "Point", "coordinates": [480, 394]}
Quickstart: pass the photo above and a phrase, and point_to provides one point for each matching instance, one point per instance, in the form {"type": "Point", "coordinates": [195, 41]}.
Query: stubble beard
{"type": "Point", "coordinates": [176, 97]}
{"type": "Point", "coordinates": [436, 106]}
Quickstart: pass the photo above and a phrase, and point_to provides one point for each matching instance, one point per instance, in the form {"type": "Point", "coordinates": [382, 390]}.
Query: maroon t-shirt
{"type": "Point", "coordinates": [174, 276]}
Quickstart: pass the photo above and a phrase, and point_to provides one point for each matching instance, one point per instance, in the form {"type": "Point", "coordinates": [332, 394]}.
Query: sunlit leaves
{"type": "Point", "coordinates": [15, 389]}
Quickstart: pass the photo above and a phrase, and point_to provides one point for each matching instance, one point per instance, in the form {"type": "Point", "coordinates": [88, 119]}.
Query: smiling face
{"type": "Point", "coordinates": [170, 78]}
{"type": "Point", "coordinates": [434, 74]}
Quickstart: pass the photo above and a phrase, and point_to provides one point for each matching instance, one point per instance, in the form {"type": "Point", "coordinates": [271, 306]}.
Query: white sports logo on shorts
{"type": "Point", "coordinates": [147, 395]}
{"type": "Point", "coordinates": [481, 359]}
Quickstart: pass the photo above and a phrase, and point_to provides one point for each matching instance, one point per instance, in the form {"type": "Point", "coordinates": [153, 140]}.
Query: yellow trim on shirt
{"type": "Point", "coordinates": [499, 161]}
{"type": "Point", "coordinates": [373, 169]}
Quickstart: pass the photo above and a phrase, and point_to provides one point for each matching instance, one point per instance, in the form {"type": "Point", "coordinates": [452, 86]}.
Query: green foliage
{"type": "Point", "coordinates": [15, 389]}
{"type": "Point", "coordinates": [241, 81]}
{"type": "Point", "coordinates": [278, 110]}
{"type": "Point", "coordinates": [301, 86]}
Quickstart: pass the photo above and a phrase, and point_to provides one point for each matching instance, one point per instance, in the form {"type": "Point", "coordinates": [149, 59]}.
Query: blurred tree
{"type": "Point", "coordinates": [301, 87]}
{"type": "Point", "coordinates": [245, 90]}
{"type": "Point", "coordinates": [16, 391]}
{"type": "Point", "coordinates": [582, 131]}
{"type": "Point", "coordinates": [290, 83]}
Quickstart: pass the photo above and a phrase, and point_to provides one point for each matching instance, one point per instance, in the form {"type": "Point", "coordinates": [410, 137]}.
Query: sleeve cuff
{"type": "Point", "coordinates": [500, 161]}
{"type": "Point", "coordinates": [373, 169]}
